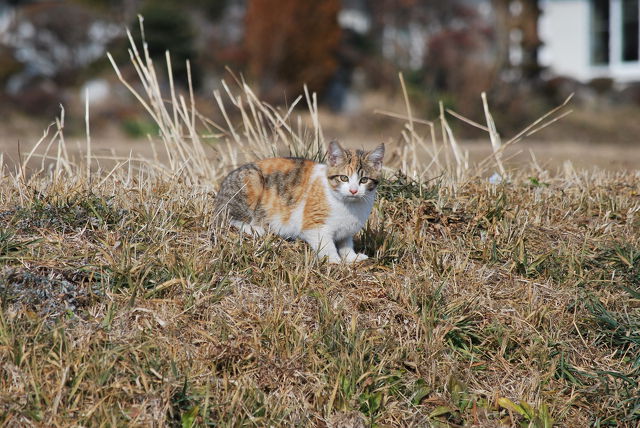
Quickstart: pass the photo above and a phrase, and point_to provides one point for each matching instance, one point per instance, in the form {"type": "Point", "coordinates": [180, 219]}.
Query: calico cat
{"type": "Point", "coordinates": [324, 205]}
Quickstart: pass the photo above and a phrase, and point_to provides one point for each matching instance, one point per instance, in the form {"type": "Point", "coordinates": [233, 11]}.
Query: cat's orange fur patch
{"type": "Point", "coordinates": [282, 205]}
{"type": "Point", "coordinates": [316, 208]}
{"type": "Point", "coordinates": [353, 165]}
{"type": "Point", "coordinates": [282, 165]}
{"type": "Point", "coordinates": [300, 189]}
{"type": "Point", "coordinates": [275, 205]}
{"type": "Point", "coordinates": [253, 188]}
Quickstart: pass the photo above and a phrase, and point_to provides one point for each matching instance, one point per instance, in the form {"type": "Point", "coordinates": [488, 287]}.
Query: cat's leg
{"type": "Point", "coordinates": [258, 230]}
{"type": "Point", "coordinates": [248, 228]}
{"type": "Point", "coordinates": [345, 249]}
{"type": "Point", "coordinates": [321, 243]}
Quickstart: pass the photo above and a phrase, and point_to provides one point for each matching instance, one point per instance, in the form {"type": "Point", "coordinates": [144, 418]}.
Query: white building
{"type": "Point", "coordinates": [587, 39]}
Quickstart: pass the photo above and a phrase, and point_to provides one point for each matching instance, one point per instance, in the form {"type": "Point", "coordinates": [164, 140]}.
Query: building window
{"type": "Point", "coordinates": [600, 17]}
{"type": "Point", "coordinates": [630, 30]}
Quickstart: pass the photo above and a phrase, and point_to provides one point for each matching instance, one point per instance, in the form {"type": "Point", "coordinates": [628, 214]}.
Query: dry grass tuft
{"type": "Point", "coordinates": [514, 304]}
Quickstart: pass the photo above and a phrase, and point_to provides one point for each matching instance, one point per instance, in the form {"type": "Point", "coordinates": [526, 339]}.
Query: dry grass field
{"type": "Point", "coordinates": [512, 302]}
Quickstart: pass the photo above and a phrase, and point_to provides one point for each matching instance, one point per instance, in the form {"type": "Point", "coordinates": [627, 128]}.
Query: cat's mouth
{"type": "Point", "coordinates": [353, 197]}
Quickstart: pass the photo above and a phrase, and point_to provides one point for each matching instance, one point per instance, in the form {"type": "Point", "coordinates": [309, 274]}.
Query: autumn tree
{"type": "Point", "coordinates": [289, 43]}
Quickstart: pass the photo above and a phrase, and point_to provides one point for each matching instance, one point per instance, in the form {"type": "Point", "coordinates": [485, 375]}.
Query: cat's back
{"type": "Point", "coordinates": [287, 193]}
{"type": "Point", "coordinates": [286, 171]}
{"type": "Point", "coordinates": [293, 192]}
{"type": "Point", "coordinates": [283, 175]}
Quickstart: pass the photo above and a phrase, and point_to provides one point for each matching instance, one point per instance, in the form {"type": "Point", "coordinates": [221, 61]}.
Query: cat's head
{"type": "Point", "coordinates": [354, 174]}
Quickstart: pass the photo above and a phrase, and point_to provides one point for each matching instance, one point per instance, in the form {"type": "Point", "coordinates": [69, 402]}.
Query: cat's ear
{"type": "Point", "coordinates": [375, 156]}
{"type": "Point", "coordinates": [335, 153]}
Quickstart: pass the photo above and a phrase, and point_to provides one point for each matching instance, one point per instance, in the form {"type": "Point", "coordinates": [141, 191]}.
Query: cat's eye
{"type": "Point", "coordinates": [343, 178]}
{"type": "Point", "coordinates": [364, 180]}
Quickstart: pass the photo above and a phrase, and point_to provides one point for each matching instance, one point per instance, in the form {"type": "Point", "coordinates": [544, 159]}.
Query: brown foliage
{"type": "Point", "coordinates": [291, 42]}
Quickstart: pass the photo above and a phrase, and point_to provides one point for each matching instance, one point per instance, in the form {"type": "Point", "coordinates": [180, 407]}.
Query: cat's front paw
{"type": "Point", "coordinates": [334, 259]}
{"type": "Point", "coordinates": [360, 257]}
{"type": "Point", "coordinates": [354, 257]}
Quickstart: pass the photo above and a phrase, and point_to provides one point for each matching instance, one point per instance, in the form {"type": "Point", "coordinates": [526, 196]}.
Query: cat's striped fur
{"type": "Point", "coordinates": [325, 205]}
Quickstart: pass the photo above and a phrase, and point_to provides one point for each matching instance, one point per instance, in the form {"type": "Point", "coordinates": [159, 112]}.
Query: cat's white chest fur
{"type": "Point", "coordinates": [346, 218]}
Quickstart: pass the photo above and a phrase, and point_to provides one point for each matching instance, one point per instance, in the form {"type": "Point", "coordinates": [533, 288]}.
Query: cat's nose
{"type": "Point", "coordinates": [353, 191]}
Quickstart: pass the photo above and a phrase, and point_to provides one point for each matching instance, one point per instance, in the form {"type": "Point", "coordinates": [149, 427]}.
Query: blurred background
{"type": "Point", "coordinates": [528, 55]}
